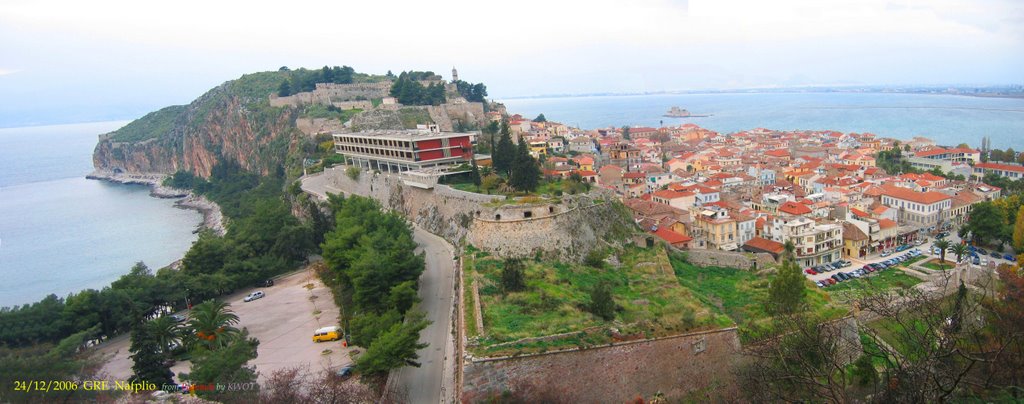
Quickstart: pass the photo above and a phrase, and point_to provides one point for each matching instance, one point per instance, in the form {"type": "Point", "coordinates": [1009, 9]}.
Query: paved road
{"type": "Point", "coordinates": [422, 384]}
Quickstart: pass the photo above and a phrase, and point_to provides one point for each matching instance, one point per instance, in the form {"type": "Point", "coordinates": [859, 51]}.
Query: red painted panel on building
{"type": "Point", "coordinates": [431, 155]}
{"type": "Point", "coordinates": [429, 144]}
{"type": "Point", "coordinates": [460, 141]}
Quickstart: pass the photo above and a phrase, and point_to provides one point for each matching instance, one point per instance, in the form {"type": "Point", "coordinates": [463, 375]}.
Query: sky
{"type": "Point", "coordinates": [76, 61]}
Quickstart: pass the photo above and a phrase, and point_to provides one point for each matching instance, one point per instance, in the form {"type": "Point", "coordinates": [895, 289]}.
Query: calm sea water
{"type": "Point", "coordinates": [61, 233]}
{"type": "Point", "coordinates": [947, 119]}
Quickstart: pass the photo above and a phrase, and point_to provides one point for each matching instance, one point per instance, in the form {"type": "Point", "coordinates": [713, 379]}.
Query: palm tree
{"type": "Point", "coordinates": [165, 331]}
{"type": "Point", "coordinates": [213, 324]}
{"type": "Point", "coordinates": [942, 246]}
{"type": "Point", "coordinates": [960, 250]}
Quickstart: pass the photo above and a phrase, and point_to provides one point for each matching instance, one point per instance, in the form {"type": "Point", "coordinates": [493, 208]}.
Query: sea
{"type": "Point", "coordinates": [61, 233]}
{"type": "Point", "coordinates": [946, 119]}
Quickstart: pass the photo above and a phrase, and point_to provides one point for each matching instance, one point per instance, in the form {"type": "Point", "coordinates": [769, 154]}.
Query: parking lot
{"type": "Point", "coordinates": [984, 258]}
{"type": "Point", "coordinates": [283, 321]}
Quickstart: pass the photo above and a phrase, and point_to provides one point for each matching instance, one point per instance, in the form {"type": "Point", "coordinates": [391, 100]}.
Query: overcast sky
{"type": "Point", "coordinates": [74, 60]}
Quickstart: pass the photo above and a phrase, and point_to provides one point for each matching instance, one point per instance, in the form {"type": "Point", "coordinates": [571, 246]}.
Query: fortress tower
{"type": "Point", "coordinates": [455, 74]}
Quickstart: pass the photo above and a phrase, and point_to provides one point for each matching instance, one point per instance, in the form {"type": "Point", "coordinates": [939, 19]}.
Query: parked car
{"type": "Point", "coordinates": [982, 251]}
{"type": "Point", "coordinates": [811, 271]}
{"type": "Point", "coordinates": [177, 318]}
{"type": "Point", "coordinates": [254, 295]}
{"type": "Point", "coordinates": [830, 281]}
{"type": "Point", "coordinates": [885, 254]}
{"type": "Point", "coordinates": [266, 283]}
{"type": "Point", "coordinates": [1009, 257]}
{"type": "Point", "coordinates": [995, 255]}
{"type": "Point", "coordinates": [821, 284]}
{"type": "Point", "coordinates": [837, 278]}
{"type": "Point", "coordinates": [976, 261]}
{"type": "Point", "coordinates": [345, 371]}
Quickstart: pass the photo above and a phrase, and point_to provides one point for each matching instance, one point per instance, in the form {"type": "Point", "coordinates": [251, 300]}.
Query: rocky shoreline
{"type": "Point", "coordinates": [213, 219]}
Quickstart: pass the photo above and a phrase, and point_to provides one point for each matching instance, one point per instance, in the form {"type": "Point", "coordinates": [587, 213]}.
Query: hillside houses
{"type": "Point", "coordinates": [758, 189]}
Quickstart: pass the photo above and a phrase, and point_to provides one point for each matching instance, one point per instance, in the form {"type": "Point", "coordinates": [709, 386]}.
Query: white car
{"type": "Point", "coordinates": [254, 295]}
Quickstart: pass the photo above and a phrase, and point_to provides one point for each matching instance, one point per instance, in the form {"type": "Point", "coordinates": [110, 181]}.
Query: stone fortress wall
{"type": "Point", "coordinates": [696, 366]}
{"type": "Point", "coordinates": [567, 230]}
{"type": "Point", "coordinates": [344, 96]}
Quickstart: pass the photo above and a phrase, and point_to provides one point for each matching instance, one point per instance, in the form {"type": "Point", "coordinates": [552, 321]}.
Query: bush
{"type": "Point", "coordinates": [353, 173]}
{"type": "Point", "coordinates": [595, 259]}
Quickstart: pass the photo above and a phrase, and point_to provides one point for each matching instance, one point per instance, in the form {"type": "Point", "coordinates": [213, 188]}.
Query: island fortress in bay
{"type": "Point", "coordinates": [676, 112]}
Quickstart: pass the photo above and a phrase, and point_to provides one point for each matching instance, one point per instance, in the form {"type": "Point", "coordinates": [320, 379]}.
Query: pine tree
{"type": "Point", "coordinates": [1018, 232]}
{"type": "Point", "coordinates": [150, 364]}
{"type": "Point", "coordinates": [285, 89]}
{"type": "Point", "coordinates": [540, 118]}
{"type": "Point", "coordinates": [504, 153]}
{"type": "Point", "coordinates": [513, 277]}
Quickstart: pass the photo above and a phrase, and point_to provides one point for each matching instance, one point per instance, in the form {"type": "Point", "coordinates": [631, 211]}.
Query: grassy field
{"type": "Point", "coordinates": [649, 298]}
{"type": "Point", "coordinates": [887, 279]}
{"type": "Point", "coordinates": [740, 294]}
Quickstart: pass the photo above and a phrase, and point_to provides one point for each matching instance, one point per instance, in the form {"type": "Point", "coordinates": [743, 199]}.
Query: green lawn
{"type": "Point", "coordinates": [909, 262]}
{"type": "Point", "coordinates": [740, 294]}
{"type": "Point", "coordinates": [936, 265]}
{"type": "Point", "coordinates": [887, 279]}
{"type": "Point", "coordinates": [651, 301]}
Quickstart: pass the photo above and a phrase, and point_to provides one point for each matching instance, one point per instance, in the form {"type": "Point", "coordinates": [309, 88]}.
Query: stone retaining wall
{"type": "Point", "coordinates": [697, 367]}
{"type": "Point", "coordinates": [730, 259]}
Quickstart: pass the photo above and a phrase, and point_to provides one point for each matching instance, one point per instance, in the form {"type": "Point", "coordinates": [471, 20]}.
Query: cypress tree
{"type": "Point", "coordinates": [504, 153]}
{"type": "Point", "coordinates": [787, 292]}
{"type": "Point", "coordinates": [525, 174]}
{"type": "Point", "coordinates": [475, 174]}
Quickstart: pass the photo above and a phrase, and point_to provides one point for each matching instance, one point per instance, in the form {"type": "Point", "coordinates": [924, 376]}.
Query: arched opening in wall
{"type": "Point", "coordinates": [478, 213]}
{"type": "Point", "coordinates": [551, 209]}
{"type": "Point", "coordinates": [497, 217]}
{"type": "Point", "coordinates": [527, 214]}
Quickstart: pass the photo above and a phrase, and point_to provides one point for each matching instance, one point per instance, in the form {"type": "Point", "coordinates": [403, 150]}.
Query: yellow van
{"type": "Point", "coordinates": [327, 334]}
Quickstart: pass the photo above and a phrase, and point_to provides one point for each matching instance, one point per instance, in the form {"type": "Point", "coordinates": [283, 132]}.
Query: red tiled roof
{"type": "Point", "coordinates": [886, 223]}
{"type": "Point", "coordinates": [907, 194]}
{"type": "Point", "coordinates": [670, 194]}
{"type": "Point", "coordinates": [764, 244]}
{"type": "Point", "coordinates": [998, 166]}
{"type": "Point", "coordinates": [670, 236]}
{"type": "Point", "coordinates": [859, 213]}
{"type": "Point", "coordinates": [586, 173]}
{"type": "Point", "coordinates": [794, 208]}
{"type": "Point", "coordinates": [938, 151]}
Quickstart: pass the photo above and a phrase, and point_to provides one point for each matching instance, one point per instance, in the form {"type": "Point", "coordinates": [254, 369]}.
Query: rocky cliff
{"type": "Point", "coordinates": [234, 121]}
{"type": "Point", "coordinates": [238, 121]}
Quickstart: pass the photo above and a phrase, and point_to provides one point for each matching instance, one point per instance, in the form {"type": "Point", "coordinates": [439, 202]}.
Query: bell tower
{"type": "Point", "coordinates": [455, 74]}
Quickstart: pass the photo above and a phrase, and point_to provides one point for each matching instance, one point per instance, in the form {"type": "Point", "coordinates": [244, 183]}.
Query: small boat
{"type": "Point", "coordinates": [676, 112]}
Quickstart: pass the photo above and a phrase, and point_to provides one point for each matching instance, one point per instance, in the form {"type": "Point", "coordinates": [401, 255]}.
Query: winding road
{"type": "Point", "coordinates": [426, 383]}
